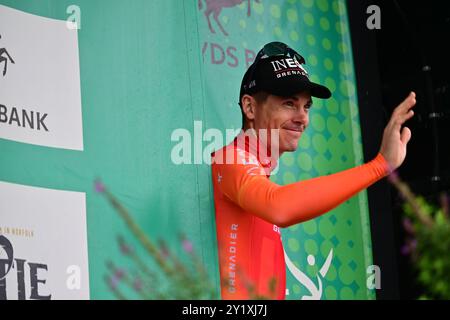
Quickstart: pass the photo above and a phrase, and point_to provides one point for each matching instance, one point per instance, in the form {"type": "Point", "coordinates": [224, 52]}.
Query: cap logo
{"type": "Point", "coordinates": [288, 66]}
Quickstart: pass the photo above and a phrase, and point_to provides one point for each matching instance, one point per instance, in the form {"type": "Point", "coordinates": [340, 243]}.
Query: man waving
{"type": "Point", "coordinates": [275, 99]}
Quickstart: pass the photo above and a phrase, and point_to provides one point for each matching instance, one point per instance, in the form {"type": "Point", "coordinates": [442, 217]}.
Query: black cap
{"type": "Point", "coordinates": [280, 75]}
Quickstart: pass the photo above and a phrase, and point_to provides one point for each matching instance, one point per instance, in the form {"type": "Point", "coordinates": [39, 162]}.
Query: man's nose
{"type": "Point", "coordinates": [301, 115]}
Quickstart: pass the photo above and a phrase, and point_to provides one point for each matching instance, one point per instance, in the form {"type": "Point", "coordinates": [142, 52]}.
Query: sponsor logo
{"type": "Point", "coordinates": [231, 56]}
{"type": "Point", "coordinates": [288, 66]}
{"type": "Point", "coordinates": [23, 118]}
{"type": "Point", "coordinates": [214, 8]}
{"type": "Point", "coordinates": [20, 267]}
{"type": "Point", "coordinates": [40, 95]}
{"type": "Point", "coordinates": [276, 229]}
{"type": "Point", "coordinates": [232, 252]}
{"type": "Point", "coordinates": [315, 291]}
{"type": "Point", "coordinates": [5, 58]}
{"type": "Point", "coordinates": [43, 244]}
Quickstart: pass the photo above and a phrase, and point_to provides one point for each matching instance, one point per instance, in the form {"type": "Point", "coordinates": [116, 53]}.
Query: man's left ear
{"type": "Point", "coordinates": [248, 106]}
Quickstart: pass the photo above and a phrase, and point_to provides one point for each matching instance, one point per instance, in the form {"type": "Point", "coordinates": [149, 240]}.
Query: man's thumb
{"type": "Point", "coordinates": [405, 135]}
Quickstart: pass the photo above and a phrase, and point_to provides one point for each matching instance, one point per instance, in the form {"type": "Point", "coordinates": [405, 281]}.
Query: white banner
{"type": "Point", "coordinates": [43, 244]}
{"type": "Point", "coordinates": [40, 99]}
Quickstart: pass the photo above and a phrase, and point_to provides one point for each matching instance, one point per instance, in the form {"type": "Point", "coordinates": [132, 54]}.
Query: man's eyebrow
{"type": "Point", "coordinates": [296, 98]}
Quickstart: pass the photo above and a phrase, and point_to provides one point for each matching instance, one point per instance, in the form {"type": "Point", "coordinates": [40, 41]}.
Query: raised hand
{"type": "Point", "coordinates": [395, 139]}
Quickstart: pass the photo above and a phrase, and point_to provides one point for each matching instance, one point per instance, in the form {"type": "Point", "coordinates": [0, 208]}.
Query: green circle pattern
{"type": "Point", "coordinates": [311, 40]}
{"type": "Point", "coordinates": [288, 159]}
{"type": "Point", "coordinates": [293, 35]}
{"type": "Point", "coordinates": [329, 65]}
{"type": "Point", "coordinates": [312, 59]}
{"type": "Point", "coordinates": [318, 122]}
{"type": "Point", "coordinates": [326, 44]}
{"type": "Point", "coordinates": [305, 161]}
{"type": "Point", "coordinates": [324, 24]}
{"type": "Point", "coordinates": [308, 18]}
{"type": "Point", "coordinates": [293, 244]}
{"type": "Point", "coordinates": [323, 5]}
{"type": "Point", "coordinates": [311, 247]}
{"type": "Point", "coordinates": [292, 15]}
{"type": "Point", "coordinates": [307, 3]}
{"type": "Point", "coordinates": [275, 11]}
{"type": "Point", "coordinates": [310, 227]}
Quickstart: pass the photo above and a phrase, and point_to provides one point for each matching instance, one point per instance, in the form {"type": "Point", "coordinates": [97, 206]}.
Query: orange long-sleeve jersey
{"type": "Point", "coordinates": [250, 209]}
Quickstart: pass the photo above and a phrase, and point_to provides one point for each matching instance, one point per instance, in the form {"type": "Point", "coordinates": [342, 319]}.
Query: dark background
{"type": "Point", "coordinates": [410, 52]}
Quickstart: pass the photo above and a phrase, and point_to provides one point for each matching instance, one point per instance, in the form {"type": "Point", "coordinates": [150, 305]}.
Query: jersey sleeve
{"type": "Point", "coordinates": [247, 186]}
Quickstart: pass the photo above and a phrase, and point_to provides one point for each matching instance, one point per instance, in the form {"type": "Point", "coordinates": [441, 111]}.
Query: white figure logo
{"type": "Point", "coordinates": [316, 292]}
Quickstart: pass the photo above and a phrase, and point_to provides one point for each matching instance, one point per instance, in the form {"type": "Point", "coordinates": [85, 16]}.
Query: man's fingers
{"type": "Point", "coordinates": [398, 121]}
{"type": "Point", "coordinates": [403, 112]}
{"type": "Point", "coordinates": [407, 116]}
{"type": "Point", "coordinates": [407, 104]}
{"type": "Point", "coordinates": [405, 135]}
{"type": "Point", "coordinates": [409, 101]}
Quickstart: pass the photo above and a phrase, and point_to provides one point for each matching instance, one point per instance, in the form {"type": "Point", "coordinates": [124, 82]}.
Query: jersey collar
{"type": "Point", "coordinates": [256, 147]}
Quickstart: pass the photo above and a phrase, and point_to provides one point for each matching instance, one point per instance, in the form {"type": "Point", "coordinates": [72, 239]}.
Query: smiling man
{"type": "Point", "coordinates": [275, 99]}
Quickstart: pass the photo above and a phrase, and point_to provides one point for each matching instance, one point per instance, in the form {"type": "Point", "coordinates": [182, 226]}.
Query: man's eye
{"type": "Point", "coordinates": [289, 104]}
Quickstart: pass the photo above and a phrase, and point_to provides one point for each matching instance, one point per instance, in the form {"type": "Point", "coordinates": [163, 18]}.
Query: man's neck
{"type": "Point", "coordinates": [258, 147]}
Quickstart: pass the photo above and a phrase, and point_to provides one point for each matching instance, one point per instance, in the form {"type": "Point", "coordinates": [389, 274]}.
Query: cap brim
{"type": "Point", "coordinates": [289, 87]}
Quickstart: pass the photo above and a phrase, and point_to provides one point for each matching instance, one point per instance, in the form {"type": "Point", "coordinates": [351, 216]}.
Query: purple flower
{"type": "Point", "coordinates": [124, 248]}
{"type": "Point", "coordinates": [163, 248]}
{"type": "Point", "coordinates": [119, 274]}
{"type": "Point", "coordinates": [187, 246]}
{"type": "Point", "coordinates": [113, 282]}
{"type": "Point", "coordinates": [413, 245]}
{"type": "Point", "coordinates": [409, 247]}
{"type": "Point", "coordinates": [405, 250]}
{"type": "Point", "coordinates": [99, 186]}
{"type": "Point", "coordinates": [408, 226]}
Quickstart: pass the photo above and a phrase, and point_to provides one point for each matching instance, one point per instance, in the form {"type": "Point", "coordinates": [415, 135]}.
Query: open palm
{"type": "Point", "coordinates": [395, 139]}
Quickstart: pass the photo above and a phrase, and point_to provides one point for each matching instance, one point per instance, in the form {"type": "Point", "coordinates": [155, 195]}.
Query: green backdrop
{"type": "Point", "coordinates": [151, 66]}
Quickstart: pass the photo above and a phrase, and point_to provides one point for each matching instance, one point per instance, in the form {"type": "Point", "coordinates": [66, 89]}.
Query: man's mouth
{"type": "Point", "coordinates": [295, 129]}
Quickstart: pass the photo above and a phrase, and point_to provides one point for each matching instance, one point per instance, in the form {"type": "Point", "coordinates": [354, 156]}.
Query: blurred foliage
{"type": "Point", "coordinates": [171, 276]}
{"type": "Point", "coordinates": [428, 240]}
{"type": "Point", "coordinates": [179, 277]}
